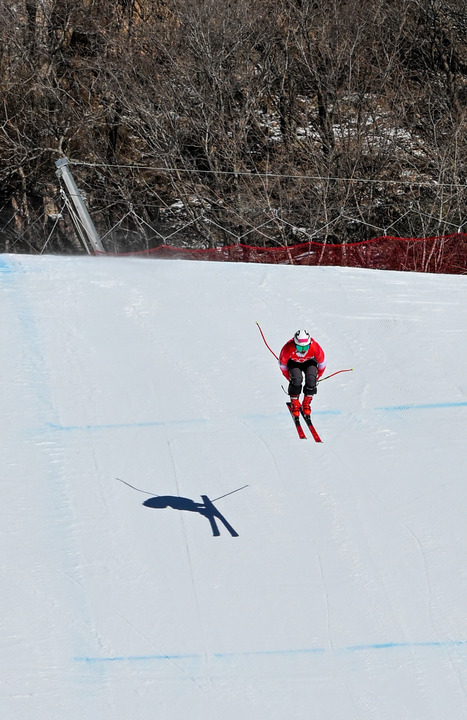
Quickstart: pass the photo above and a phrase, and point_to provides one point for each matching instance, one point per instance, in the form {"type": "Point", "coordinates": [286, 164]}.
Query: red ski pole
{"type": "Point", "coordinates": [334, 373]}
{"type": "Point", "coordinates": [262, 335]}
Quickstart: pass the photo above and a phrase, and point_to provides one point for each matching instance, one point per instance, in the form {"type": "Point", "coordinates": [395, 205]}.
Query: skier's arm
{"type": "Point", "coordinates": [321, 360]}
{"type": "Point", "coordinates": [283, 357]}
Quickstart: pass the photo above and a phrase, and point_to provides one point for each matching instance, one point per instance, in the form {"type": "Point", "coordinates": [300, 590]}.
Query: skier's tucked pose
{"type": "Point", "coordinates": [302, 357]}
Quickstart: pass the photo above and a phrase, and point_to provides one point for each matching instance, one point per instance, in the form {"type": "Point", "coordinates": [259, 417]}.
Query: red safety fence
{"type": "Point", "coordinates": [444, 254]}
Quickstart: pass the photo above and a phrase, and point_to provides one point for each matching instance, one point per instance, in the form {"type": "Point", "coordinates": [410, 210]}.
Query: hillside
{"type": "Point", "coordinates": [141, 411]}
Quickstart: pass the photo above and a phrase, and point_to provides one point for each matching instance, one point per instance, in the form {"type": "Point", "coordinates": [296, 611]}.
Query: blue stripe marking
{"type": "Point", "coordinates": [119, 426]}
{"type": "Point", "coordinates": [9, 265]}
{"type": "Point", "coordinates": [5, 266]}
{"type": "Point", "coordinates": [134, 658]}
{"type": "Point", "coordinates": [162, 423]}
{"type": "Point", "coordinates": [390, 645]}
{"type": "Point", "coordinates": [258, 653]}
{"type": "Point", "coordinates": [55, 497]}
{"type": "Point", "coordinates": [259, 416]}
{"type": "Point", "coordinates": [422, 406]}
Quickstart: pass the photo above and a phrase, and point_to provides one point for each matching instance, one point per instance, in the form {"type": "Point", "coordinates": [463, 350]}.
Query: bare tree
{"type": "Point", "coordinates": [270, 121]}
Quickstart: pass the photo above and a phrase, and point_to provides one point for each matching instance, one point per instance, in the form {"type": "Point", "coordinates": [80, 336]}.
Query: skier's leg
{"type": "Point", "coordinates": [311, 373]}
{"type": "Point", "coordinates": [295, 380]}
{"type": "Point", "coordinates": [295, 386]}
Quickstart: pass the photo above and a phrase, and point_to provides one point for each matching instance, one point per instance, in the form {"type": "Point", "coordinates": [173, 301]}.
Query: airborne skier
{"type": "Point", "coordinates": [300, 359]}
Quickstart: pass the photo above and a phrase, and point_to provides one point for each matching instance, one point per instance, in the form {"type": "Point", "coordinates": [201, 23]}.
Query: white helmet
{"type": "Point", "coordinates": [302, 340]}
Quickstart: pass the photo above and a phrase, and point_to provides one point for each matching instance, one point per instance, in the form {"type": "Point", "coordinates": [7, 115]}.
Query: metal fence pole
{"type": "Point", "coordinates": [63, 172]}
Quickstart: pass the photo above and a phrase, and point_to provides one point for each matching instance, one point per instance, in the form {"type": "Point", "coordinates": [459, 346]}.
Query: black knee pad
{"type": "Point", "coordinates": [294, 389]}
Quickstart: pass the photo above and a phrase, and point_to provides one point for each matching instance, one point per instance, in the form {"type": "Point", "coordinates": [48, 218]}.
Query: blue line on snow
{"type": "Point", "coordinates": [5, 266]}
{"type": "Point", "coordinates": [304, 651]}
{"type": "Point", "coordinates": [390, 645]}
{"type": "Point", "coordinates": [9, 265]}
{"type": "Point", "coordinates": [161, 423]}
{"type": "Point", "coordinates": [134, 658]}
{"type": "Point", "coordinates": [118, 426]}
{"type": "Point", "coordinates": [54, 500]}
{"type": "Point", "coordinates": [425, 406]}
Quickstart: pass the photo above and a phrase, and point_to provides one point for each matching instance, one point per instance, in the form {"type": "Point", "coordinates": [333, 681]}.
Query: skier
{"type": "Point", "coordinates": [302, 357]}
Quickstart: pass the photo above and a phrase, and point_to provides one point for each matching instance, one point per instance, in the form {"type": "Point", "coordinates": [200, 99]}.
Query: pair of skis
{"type": "Point", "coordinates": [298, 425]}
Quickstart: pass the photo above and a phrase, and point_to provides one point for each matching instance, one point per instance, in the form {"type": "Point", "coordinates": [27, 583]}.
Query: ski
{"type": "Point", "coordinates": [307, 419]}
{"type": "Point", "coordinates": [300, 430]}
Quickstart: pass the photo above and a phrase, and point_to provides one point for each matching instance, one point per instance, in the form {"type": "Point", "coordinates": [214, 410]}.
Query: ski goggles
{"type": "Point", "coordinates": [302, 348]}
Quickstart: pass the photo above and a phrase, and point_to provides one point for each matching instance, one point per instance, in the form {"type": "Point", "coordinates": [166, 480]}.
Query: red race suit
{"type": "Point", "coordinates": [314, 352]}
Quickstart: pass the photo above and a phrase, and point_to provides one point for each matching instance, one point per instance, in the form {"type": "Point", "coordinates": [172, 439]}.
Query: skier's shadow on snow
{"type": "Point", "coordinates": [206, 508]}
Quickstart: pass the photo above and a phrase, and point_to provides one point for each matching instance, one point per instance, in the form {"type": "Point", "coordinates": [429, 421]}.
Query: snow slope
{"type": "Point", "coordinates": [337, 586]}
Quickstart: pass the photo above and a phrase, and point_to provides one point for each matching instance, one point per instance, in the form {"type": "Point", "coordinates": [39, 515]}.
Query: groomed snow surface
{"type": "Point", "coordinates": [142, 414]}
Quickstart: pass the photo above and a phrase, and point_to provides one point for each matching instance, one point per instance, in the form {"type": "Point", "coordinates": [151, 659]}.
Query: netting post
{"type": "Point", "coordinates": [63, 172]}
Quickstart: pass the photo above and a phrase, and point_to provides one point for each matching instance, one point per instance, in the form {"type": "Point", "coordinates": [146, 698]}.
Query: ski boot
{"type": "Point", "coordinates": [295, 402]}
{"type": "Point", "coordinates": [306, 407]}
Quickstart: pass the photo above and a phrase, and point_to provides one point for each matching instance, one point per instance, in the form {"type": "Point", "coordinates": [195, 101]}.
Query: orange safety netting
{"type": "Point", "coordinates": [444, 254]}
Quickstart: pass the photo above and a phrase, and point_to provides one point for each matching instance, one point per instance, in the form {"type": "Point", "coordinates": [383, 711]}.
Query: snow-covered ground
{"type": "Point", "coordinates": [337, 586]}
